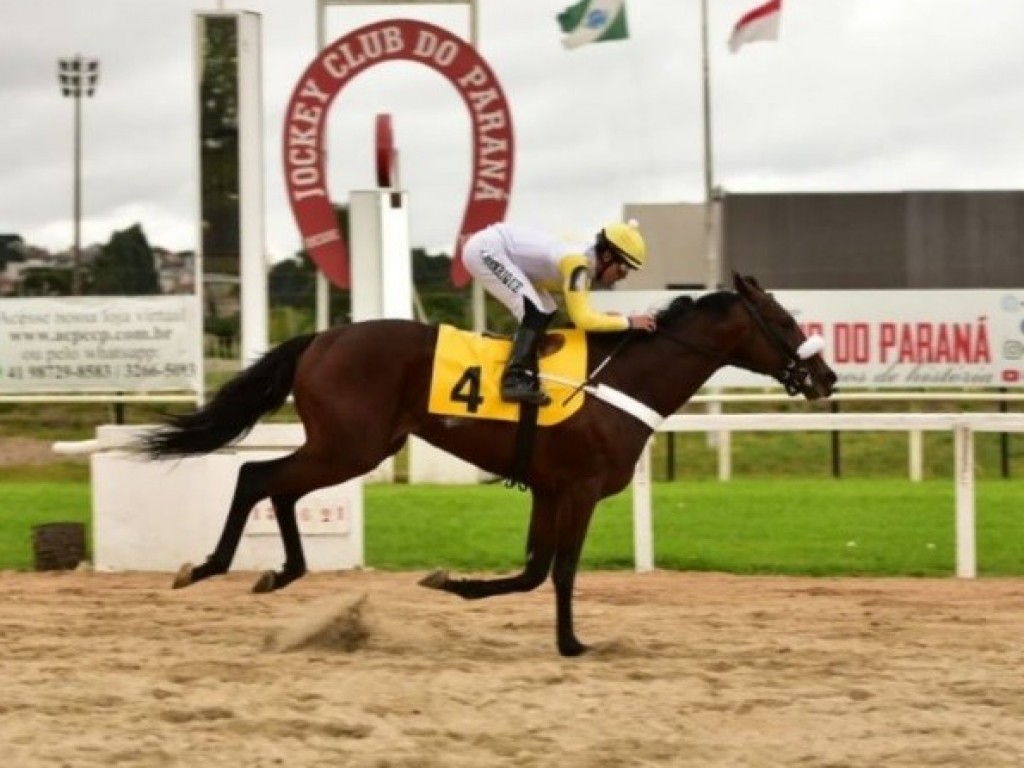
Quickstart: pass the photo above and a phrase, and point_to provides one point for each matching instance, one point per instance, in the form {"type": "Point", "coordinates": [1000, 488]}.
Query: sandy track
{"type": "Point", "coordinates": [367, 669]}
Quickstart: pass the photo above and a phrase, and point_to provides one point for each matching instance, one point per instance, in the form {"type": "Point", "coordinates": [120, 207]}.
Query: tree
{"type": "Point", "coordinates": [46, 281]}
{"type": "Point", "coordinates": [431, 271]}
{"type": "Point", "coordinates": [218, 126]}
{"type": "Point", "coordinates": [292, 282]}
{"type": "Point", "coordinates": [12, 248]}
{"type": "Point", "coordinates": [125, 266]}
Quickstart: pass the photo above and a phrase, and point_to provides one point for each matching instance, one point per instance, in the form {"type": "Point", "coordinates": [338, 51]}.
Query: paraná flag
{"type": "Point", "coordinates": [593, 21]}
{"type": "Point", "coordinates": [762, 23]}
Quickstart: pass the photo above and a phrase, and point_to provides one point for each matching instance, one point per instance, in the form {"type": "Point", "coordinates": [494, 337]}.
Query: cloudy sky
{"type": "Point", "coordinates": [855, 95]}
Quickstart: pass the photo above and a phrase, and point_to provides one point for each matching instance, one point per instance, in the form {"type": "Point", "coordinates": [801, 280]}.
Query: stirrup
{"type": "Point", "coordinates": [520, 387]}
{"type": "Point", "coordinates": [526, 397]}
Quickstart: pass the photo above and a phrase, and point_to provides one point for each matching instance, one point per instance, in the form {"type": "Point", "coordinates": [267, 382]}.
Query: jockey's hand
{"type": "Point", "coordinates": [643, 323]}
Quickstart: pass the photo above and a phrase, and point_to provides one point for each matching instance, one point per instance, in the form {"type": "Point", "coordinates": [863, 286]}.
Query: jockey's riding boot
{"type": "Point", "coordinates": [519, 382]}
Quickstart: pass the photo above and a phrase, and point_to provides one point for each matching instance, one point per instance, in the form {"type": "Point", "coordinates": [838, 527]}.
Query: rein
{"type": "Point", "coordinates": [794, 372]}
{"type": "Point", "coordinates": [593, 375]}
{"type": "Point", "coordinates": [713, 354]}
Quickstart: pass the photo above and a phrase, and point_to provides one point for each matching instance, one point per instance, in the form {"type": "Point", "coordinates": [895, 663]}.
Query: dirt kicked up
{"type": "Point", "coordinates": [367, 669]}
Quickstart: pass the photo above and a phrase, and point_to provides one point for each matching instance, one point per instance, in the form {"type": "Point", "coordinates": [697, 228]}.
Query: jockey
{"type": "Point", "coordinates": [519, 266]}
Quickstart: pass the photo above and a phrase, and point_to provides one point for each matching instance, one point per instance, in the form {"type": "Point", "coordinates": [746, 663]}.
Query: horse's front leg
{"type": "Point", "coordinates": [294, 558]}
{"type": "Point", "coordinates": [573, 521]}
{"type": "Point", "coordinates": [540, 542]}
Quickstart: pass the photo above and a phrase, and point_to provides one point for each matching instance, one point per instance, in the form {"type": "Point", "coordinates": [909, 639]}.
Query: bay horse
{"type": "Point", "coordinates": [362, 389]}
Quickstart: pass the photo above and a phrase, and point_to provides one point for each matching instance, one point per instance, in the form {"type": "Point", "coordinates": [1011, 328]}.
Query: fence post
{"type": "Point", "coordinates": [1004, 442]}
{"type": "Point", "coordinates": [916, 456]}
{"type": "Point", "coordinates": [724, 455]}
{"type": "Point", "coordinates": [966, 553]}
{"type": "Point", "coordinates": [837, 460]}
{"type": "Point", "coordinates": [643, 536]}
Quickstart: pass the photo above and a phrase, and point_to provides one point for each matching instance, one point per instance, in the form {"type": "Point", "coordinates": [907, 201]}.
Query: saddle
{"type": "Point", "coordinates": [467, 368]}
{"type": "Point", "coordinates": [551, 344]}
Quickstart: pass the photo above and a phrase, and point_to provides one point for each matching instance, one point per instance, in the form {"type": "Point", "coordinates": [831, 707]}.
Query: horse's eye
{"type": "Point", "coordinates": [785, 322]}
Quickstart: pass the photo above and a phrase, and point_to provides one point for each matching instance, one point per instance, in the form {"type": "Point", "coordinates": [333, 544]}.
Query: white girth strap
{"type": "Point", "coordinates": [615, 398]}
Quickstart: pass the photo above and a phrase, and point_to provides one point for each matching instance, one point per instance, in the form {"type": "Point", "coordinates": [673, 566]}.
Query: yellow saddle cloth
{"type": "Point", "coordinates": [466, 377]}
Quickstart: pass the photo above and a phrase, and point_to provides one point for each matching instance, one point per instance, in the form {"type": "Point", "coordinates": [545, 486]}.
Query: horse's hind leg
{"type": "Point", "coordinates": [250, 489]}
{"type": "Point", "coordinates": [304, 471]}
{"type": "Point", "coordinates": [539, 548]}
{"type": "Point", "coordinates": [294, 558]}
{"type": "Point", "coordinates": [285, 481]}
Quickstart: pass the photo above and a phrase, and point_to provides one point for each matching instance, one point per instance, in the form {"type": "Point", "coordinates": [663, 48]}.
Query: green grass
{"type": "Point", "coordinates": [24, 505]}
{"type": "Point", "coordinates": [811, 527]}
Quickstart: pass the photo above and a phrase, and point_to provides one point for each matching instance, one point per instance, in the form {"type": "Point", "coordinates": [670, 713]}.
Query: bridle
{"type": "Point", "coordinates": [795, 371]}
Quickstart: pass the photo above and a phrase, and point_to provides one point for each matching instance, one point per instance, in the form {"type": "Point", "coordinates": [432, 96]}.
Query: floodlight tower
{"type": "Point", "coordinates": [78, 77]}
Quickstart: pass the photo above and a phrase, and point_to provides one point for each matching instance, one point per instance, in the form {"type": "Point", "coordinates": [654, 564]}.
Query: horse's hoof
{"type": "Point", "coordinates": [573, 649]}
{"type": "Point", "coordinates": [434, 580]}
{"type": "Point", "coordinates": [183, 578]}
{"type": "Point", "coordinates": [266, 583]}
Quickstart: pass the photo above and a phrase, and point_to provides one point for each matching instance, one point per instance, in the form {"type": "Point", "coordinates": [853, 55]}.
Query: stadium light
{"type": "Point", "coordinates": [78, 77]}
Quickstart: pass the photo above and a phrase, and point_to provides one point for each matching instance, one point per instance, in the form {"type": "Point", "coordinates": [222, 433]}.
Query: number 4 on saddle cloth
{"type": "Point", "coordinates": [466, 377]}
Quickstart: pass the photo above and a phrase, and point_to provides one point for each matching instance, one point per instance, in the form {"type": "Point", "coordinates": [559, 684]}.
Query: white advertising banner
{"type": "Point", "coordinates": [100, 344]}
{"type": "Point", "coordinates": [895, 339]}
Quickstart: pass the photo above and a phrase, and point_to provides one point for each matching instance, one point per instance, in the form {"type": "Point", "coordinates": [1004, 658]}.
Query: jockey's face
{"type": "Point", "coordinates": [609, 269]}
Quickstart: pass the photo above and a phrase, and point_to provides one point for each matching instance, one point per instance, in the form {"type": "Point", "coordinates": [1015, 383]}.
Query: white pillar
{"type": "Point", "coordinates": [643, 536]}
{"type": "Point", "coordinates": [381, 260]}
{"type": "Point", "coordinates": [381, 268]}
{"type": "Point", "coordinates": [916, 457]}
{"type": "Point", "coordinates": [966, 553]}
{"type": "Point", "coordinates": [724, 441]}
{"type": "Point", "coordinates": [252, 242]}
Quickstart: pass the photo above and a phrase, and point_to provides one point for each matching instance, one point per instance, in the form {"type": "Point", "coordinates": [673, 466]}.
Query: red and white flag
{"type": "Point", "coordinates": [762, 23]}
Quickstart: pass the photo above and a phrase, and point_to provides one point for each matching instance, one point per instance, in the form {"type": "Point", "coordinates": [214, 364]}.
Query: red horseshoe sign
{"type": "Point", "coordinates": [339, 63]}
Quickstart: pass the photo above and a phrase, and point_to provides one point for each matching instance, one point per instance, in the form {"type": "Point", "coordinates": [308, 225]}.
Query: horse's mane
{"type": "Point", "coordinates": [680, 306]}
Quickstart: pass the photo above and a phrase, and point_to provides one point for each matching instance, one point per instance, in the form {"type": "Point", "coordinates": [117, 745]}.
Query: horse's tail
{"type": "Point", "coordinates": [252, 393]}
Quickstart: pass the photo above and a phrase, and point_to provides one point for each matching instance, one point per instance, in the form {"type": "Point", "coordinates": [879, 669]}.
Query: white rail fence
{"type": "Point", "coordinates": [963, 426]}
{"type": "Point", "coordinates": [715, 401]}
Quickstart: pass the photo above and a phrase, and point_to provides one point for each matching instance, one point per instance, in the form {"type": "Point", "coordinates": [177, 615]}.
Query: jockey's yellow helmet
{"type": "Point", "coordinates": [623, 239]}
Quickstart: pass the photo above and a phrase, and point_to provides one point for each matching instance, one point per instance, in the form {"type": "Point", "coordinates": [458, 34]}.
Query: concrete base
{"type": "Point", "coordinates": [428, 464]}
{"type": "Point", "coordinates": [156, 515]}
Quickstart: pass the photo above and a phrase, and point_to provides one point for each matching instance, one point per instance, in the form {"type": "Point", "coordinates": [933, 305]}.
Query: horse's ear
{"type": "Point", "coordinates": [745, 284]}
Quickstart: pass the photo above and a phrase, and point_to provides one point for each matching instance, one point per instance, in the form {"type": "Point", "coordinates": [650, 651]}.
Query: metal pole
{"type": "Point", "coordinates": [478, 300]}
{"type": "Point", "coordinates": [76, 255]}
{"type": "Point", "coordinates": [323, 288]}
{"type": "Point", "coordinates": [77, 77]}
{"type": "Point", "coordinates": [723, 440]}
{"type": "Point", "coordinates": [709, 175]}
{"type": "Point", "coordinates": [966, 545]}
{"type": "Point", "coordinates": [837, 457]}
{"type": "Point", "coordinates": [1004, 443]}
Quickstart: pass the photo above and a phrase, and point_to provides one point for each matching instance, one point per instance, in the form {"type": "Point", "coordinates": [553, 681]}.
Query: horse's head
{"type": "Point", "coordinates": [773, 344]}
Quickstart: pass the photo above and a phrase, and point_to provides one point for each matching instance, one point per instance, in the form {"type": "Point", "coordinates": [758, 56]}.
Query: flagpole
{"type": "Point", "coordinates": [710, 244]}
{"type": "Point", "coordinates": [322, 306]}
{"type": "Point", "coordinates": [721, 441]}
{"type": "Point", "coordinates": [478, 301]}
